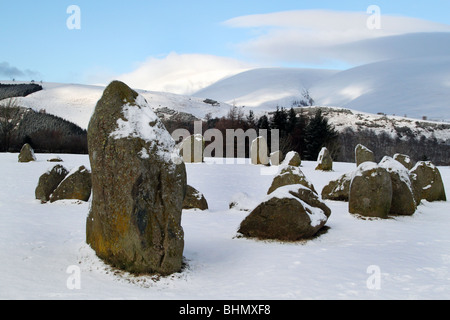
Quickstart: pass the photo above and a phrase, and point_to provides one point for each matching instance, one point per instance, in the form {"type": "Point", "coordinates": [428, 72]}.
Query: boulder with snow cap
{"type": "Point", "coordinates": [404, 160]}
{"type": "Point", "coordinates": [427, 182]}
{"type": "Point", "coordinates": [338, 189]}
{"type": "Point", "coordinates": [403, 202]}
{"type": "Point", "coordinates": [290, 213]}
{"type": "Point", "coordinates": [370, 191]}
{"type": "Point", "coordinates": [194, 199]}
{"type": "Point", "coordinates": [363, 154]}
{"type": "Point", "coordinates": [75, 186]}
{"type": "Point", "coordinates": [290, 175]}
{"type": "Point", "coordinates": [292, 159]}
{"type": "Point", "coordinates": [49, 181]}
{"type": "Point", "coordinates": [138, 186]}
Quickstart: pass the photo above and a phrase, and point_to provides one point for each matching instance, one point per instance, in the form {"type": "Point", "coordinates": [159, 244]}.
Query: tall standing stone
{"type": "Point", "coordinates": [427, 182]}
{"type": "Point", "coordinates": [324, 160]}
{"type": "Point", "coordinates": [404, 160]}
{"type": "Point", "coordinates": [403, 202]}
{"type": "Point", "coordinates": [138, 186]}
{"type": "Point", "coordinates": [370, 191]}
{"type": "Point", "coordinates": [363, 154]}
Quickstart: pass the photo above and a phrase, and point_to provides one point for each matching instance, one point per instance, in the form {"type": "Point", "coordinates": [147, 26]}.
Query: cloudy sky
{"type": "Point", "coordinates": [181, 46]}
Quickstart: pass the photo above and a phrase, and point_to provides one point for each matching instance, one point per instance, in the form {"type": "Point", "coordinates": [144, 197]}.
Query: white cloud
{"type": "Point", "coordinates": [320, 36]}
{"type": "Point", "coordinates": [182, 73]}
{"type": "Point", "coordinates": [6, 69]}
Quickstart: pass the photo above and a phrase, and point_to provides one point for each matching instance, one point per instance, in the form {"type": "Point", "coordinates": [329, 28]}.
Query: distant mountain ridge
{"type": "Point", "coordinates": [415, 87]}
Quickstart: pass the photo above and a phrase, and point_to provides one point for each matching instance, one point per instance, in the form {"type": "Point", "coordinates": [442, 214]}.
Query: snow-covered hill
{"type": "Point", "coordinates": [265, 88]}
{"type": "Point", "coordinates": [76, 102]}
{"type": "Point", "coordinates": [414, 87]}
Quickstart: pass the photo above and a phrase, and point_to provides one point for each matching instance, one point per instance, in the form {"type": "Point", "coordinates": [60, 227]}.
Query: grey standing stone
{"type": "Point", "coordinates": [27, 154]}
{"type": "Point", "coordinates": [363, 154]}
{"type": "Point", "coordinates": [76, 185]}
{"type": "Point", "coordinates": [49, 181]}
{"type": "Point", "coordinates": [370, 191]}
{"type": "Point", "coordinates": [138, 186]}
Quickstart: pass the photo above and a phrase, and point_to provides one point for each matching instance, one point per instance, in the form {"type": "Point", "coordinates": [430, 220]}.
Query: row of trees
{"type": "Point", "coordinates": [297, 130]}
{"type": "Point", "coordinates": [18, 90]}
{"type": "Point", "coordinates": [44, 132]}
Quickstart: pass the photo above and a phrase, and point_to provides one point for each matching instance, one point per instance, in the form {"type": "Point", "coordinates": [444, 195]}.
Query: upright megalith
{"type": "Point", "coordinates": [403, 202]}
{"type": "Point", "coordinates": [26, 154]}
{"type": "Point", "coordinates": [370, 191]}
{"type": "Point", "coordinates": [405, 160]}
{"type": "Point", "coordinates": [324, 160]}
{"type": "Point", "coordinates": [363, 154]}
{"type": "Point", "coordinates": [138, 186]}
{"type": "Point", "coordinates": [49, 181]}
{"type": "Point", "coordinates": [259, 151]}
{"type": "Point", "coordinates": [75, 186]}
{"type": "Point", "coordinates": [339, 189]}
{"type": "Point", "coordinates": [293, 159]}
{"type": "Point", "coordinates": [427, 182]}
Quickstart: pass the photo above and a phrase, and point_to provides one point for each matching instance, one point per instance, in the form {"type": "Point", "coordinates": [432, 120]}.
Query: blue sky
{"type": "Point", "coordinates": [117, 37]}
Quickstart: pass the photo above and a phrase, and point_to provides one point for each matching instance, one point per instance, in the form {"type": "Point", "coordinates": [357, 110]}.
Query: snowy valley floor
{"type": "Point", "coordinates": [40, 243]}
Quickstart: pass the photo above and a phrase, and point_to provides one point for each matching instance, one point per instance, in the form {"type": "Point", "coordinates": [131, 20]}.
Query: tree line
{"type": "Point", "coordinates": [45, 133]}
{"type": "Point", "coordinates": [297, 131]}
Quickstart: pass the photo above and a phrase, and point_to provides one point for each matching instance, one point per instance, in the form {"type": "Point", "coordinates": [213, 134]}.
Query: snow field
{"type": "Point", "coordinates": [39, 242]}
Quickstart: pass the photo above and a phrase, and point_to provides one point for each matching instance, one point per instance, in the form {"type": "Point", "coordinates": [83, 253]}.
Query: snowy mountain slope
{"type": "Point", "coordinates": [265, 87]}
{"type": "Point", "coordinates": [342, 118]}
{"type": "Point", "coordinates": [414, 87]}
{"type": "Point", "coordinates": [76, 103]}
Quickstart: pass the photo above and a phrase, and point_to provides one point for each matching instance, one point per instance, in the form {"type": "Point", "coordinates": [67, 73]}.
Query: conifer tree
{"type": "Point", "coordinates": [318, 134]}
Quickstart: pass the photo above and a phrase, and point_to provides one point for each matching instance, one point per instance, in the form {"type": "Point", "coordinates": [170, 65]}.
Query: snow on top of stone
{"type": "Point", "coordinates": [316, 215]}
{"type": "Point", "coordinates": [141, 122]}
{"type": "Point", "coordinates": [321, 154]}
{"type": "Point", "coordinates": [392, 165]}
{"type": "Point", "coordinates": [406, 158]}
{"type": "Point", "coordinates": [363, 147]}
{"type": "Point", "coordinates": [425, 163]}
{"type": "Point", "coordinates": [365, 166]}
{"type": "Point", "coordinates": [289, 156]}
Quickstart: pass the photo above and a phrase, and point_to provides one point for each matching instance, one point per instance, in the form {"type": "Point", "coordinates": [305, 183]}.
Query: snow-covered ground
{"type": "Point", "coordinates": [42, 246]}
